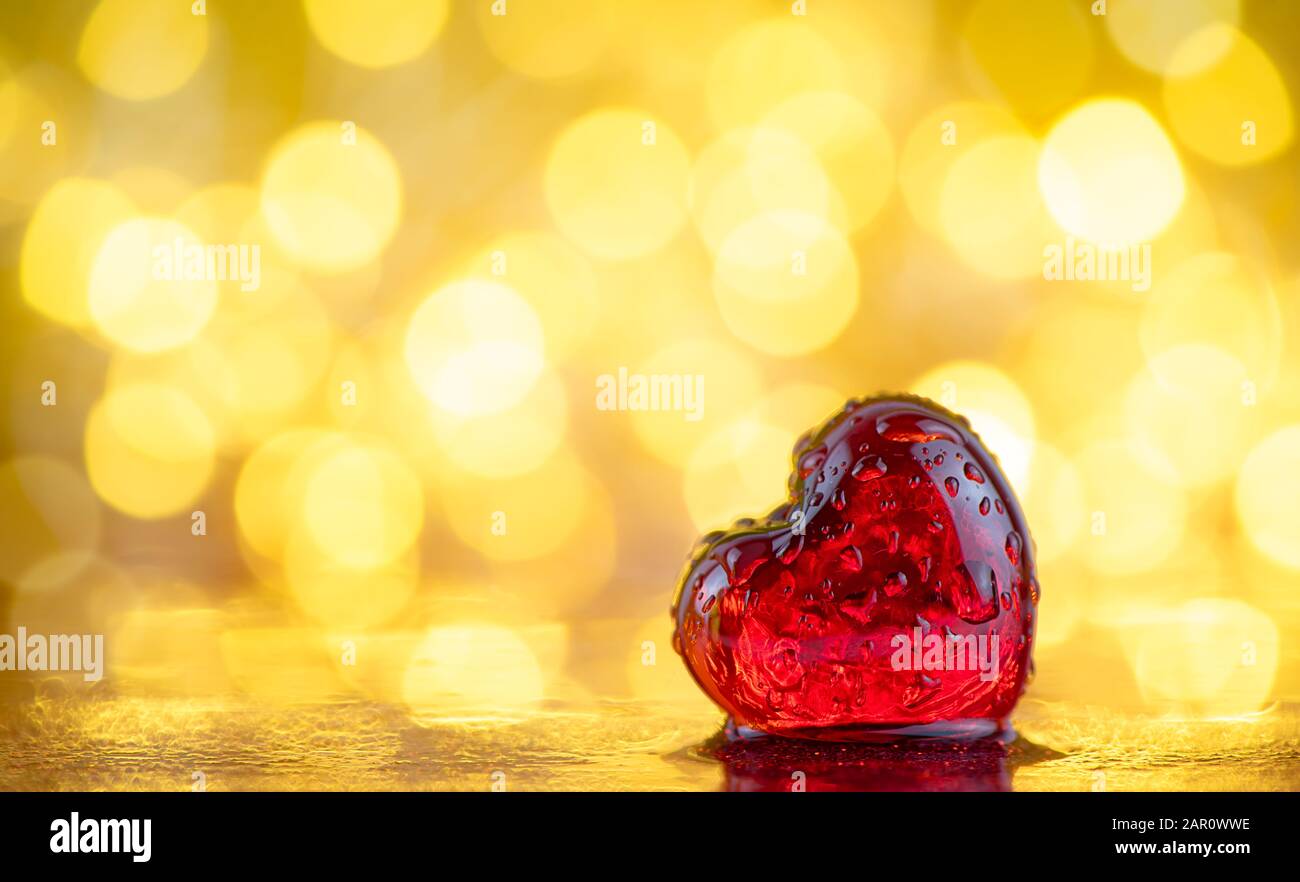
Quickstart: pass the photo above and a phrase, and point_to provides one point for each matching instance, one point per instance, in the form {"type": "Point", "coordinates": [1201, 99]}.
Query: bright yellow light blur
{"type": "Point", "coordinates": [149, 450]}
{"type": "Point", "coordinates": [283, 665]}
{"type": "Point", "coordinates": [142, 49]}
{"type": "Point", "coordinates": [934, 145]}
{"type": "Point", "coordinates": [376, 33]}
{"type": "Point", "coordinates": [332, 195]}
{"type": "Point", "coordinates": [853, 145]}
{"type": "Point", "coordinates": [1235, 112]}
{"type": "Point", "coordinates": [175, 651]}
{"type": "Point", "coordinates": [786, 283]}
{"type": "Point", "coordinates": [1063, 603]}
{"type": "Point", "coordinates": [996, 408]}
{"type": "Point", "coordinates": [655, 673]}
{"type": "Point", "coordinates": [1135, 519]}
{"type": "Point", "coordinates": [1188, 414]}
{"type": "Point", "coordinates": [150, 288]}
{"type": "Point", "coordinates": [1215, 299]}
{"type": "Point", "coordinates": [546, 40]}
{"type": "Point", "coordinates": [362, 505]}
{"type": "Point", "coordinates": [1149, 32]}
{"type": "Point", "coordinates": [1053, 503]}
{"type": "Point", "coordinates": [741, 469]}
{"type": "Point", "coordinates": [342, 595]}
{"type": "Point", "coordinates": [765, 64]}
{"type": "Point", "coordinates": [46, 508]}
{"type": "Point", "coordinates": [1109, 174]}
{"type": "Point", "coordinates": [469, 672]}
{"type": "Point", "coordinates": [474, 347]}
{"type": "Point", "coordinates": [559, 583]}
{"type": "Point", "coordinates": [509, 442]}
{"type": "Point", "coordinates": [154, 189]}
{"type": "Point", "coordinates": [1267, 489]}
{"type": "Point", "coordinates": [1208, 657]}
{"type": "Point", "coordinates": [616, 182]}
{"type": "Point", "coordinates": [732, 385]}
{"type": "Point", "coordinates": [738, 471]}
{"type": "Point", "coordinates": [65, 234]}
{"type": "Point", "coordinates": [291, 340]}
{"type": "Point", "coordinates": [520, 517]}
{"type": "Point", "coordinates": [749, 171]}
{"type": "Point", "coordinates": [991, 210]}
{"type": "Point", "coordinates": [271, 486]}
{"type": "Point", "coordinates": [556, 281]}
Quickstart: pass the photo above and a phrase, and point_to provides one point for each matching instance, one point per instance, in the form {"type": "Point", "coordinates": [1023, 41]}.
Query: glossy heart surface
{"type": "Point", "coordinates": [894, 588]}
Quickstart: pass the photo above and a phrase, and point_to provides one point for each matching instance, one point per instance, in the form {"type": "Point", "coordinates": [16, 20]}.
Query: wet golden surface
{"type": "Point", "coordinates": [73, 744]}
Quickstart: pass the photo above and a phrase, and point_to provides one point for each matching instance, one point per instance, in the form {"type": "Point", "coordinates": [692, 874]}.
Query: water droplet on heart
{"type": "Point", "coordinates": [869, 468]}
{"type": "Point", "coordinates": [895, 584]}
{"type": "Point", "coordinates": [975, 592]}
{"type": "Point", "coordinates": [851, 557]}
{"type": "Point", "coordinates": [787, 546]}
{"type": "Point", "coordinates": [1013, 547]}
{"type": "Point", "coordinates": [913, 428]}
{"type": "Point", "coordinates": [839, 499]}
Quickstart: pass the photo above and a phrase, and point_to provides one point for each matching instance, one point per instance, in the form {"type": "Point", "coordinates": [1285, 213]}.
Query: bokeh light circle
{"type": "Point", "coordinates": [1268, 486]}
{"type": "Point", "coordinates": [143, 294]}
{"type": "Point", "coordinates": [786, 283]}
{"type": "Point", "coordinates": [1136, 519]}
{"type": "Point", "coordinates": [376, 33]}
{"type": "Point", "coordinates": [546, 40]}
{"type": "Point", "coordinates": [853, 145]}
{"type": "Point", "coordinates": [765, 64]}
{"type": "Point", "coordinates": [149, 450]}
{"type": "Point", "coordinates": [995, 406]}
{"type": "Point", "coordinates": [63, 237]}
{"type": "Point", "coordinates": [474, 347]}
{"type": "Point", "coordinates": [1187, 413]}
{"type": "Point", "coordinates": [991, 210]}
{"type": "Point", "coordinates": [1149, 32]}
{"type": "Point", "coordinates": [332, 196]}
{"type": "Point", "coordinates": [362, 505]}
{"type": "Point", "coordinates": [1109, 174]}
{"type": "Point", "coordinates": [142, 49]}
{"type": "Point", "coordinates": [616, 182]}
{"type": "Point", "coordinates": [1237, 111]}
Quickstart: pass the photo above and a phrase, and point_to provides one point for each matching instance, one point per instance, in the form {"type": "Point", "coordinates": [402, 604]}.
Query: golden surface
{"type": "Point", "coordinates": [64, 743]}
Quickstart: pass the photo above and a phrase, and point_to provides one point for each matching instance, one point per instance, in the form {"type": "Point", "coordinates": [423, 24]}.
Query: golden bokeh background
{"type": "Point", "coordinates": [379, 472]}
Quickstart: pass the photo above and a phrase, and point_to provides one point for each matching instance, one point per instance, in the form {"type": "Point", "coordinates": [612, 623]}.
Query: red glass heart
{"type": "Point", "coordinates": [893, 592]}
